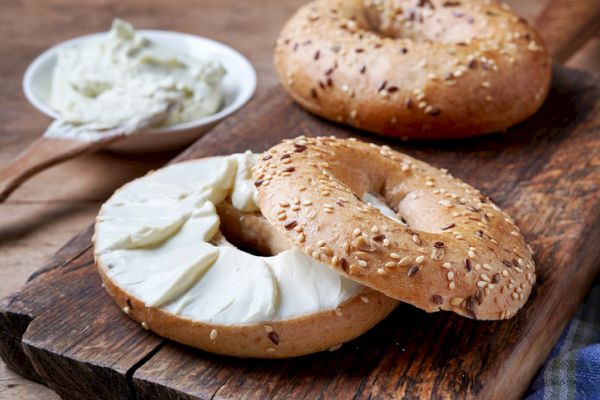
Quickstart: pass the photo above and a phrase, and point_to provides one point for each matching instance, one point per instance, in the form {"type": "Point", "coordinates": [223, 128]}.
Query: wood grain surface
{"type": "Point", "coordinates": [54, 206]}
{"type": "Point", "coordinates": [544, 172]}
{"type": "Point", "coordinates": [567, 24]}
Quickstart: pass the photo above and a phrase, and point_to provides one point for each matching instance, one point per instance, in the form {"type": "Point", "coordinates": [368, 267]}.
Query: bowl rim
{"type": "Point", "coordinates": [242, 97]}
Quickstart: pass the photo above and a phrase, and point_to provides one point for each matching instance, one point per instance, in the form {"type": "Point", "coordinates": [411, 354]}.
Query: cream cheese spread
{"type": "Point", "coordinates": [152, 239]}
{"type": "Point", "coordinates": [123, 79]}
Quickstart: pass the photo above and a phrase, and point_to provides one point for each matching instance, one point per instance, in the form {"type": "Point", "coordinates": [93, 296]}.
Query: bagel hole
{"type": "Point", "coordinates": [248, 231]}
{"type": "Point", "coordinates": [378, 201]}
{"type": "Point", "coordinates": [421, 24]}
{"type": "Point", "coordinates": [419, 210]}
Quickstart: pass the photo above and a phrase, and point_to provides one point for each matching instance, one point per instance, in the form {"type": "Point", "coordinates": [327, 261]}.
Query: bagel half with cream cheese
{"type": "Point", "coordinates": [423, 69]}
{"type": "Point", "coordinates": [163, 249]}
{"type": "Point", "coordinates": [444, 247]}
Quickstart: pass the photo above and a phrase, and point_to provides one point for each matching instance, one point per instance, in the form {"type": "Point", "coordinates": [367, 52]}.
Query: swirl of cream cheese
{"type": "Point", "coordinates": [153, 240]}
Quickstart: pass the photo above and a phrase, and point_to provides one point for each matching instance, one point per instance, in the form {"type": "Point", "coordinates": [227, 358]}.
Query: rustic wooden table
{"type": "Point", "coordinates": [46, 211]}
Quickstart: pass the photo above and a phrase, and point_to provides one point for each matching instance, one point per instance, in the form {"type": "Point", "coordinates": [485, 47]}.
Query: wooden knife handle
{"type": "Point", "coordinates": [41, 154]}
{"type": "Point", "coordinates": [566, 25]}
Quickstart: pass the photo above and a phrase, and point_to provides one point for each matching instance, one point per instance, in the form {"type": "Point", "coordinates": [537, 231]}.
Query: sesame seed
{"type": "Point", "coordinates": [395, 255]}
{"type": "Point", "coordinates": [482, 284]}
{"type": "Point", "coordinates": [364, 299]}
{"type": "Point", "coordinates": [274, 337]}
{"type": "Point", "coordinates": [404, 261]}
{"type": "Point", "coordinates": [126, 310]}
{"type": "Point", "coordinates": [362, 263]}
{"type": "Point", "coordinates": [290, 224]}
{"type": "Point", "coordinates": [344, 264]}
{"type": "Point", "coordinates": [336, 347]}
{"type": "Point", "coordinates": [413, 271]}
{"type": "Point", "coordinates": [479, 296]}
{"type": "Point", "coordinates": [446, 203]}
{"type": "Point", "coordinates": [379, 238]}
{"type": "Point", "coordinates": [416, 239]}
{"type": "Point", "coordinates": [447, 265]}
{"type": "Point", "coordinates": [468, 265]}
{"type": "Point", "coordinates": [381, 271]}
{"type": "Point", "coordinates": [213, 334]}
{"type": "Point", "coordinates": [419, 259]}
{"type": "Point", "coordinates": [456, 301]}
{"type": "Point", "coordinates": [450, 275]}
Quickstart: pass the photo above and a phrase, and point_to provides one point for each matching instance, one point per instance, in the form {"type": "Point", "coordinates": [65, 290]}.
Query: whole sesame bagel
{"type": "Point", "coordinates": [445, 246]}
{"type": "Point", "coordinates": [186, 253]}
{"type": "Point", "coordinates": [419, 69]}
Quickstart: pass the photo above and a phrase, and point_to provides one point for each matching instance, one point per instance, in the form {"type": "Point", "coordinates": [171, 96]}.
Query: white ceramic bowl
{"type": "Point", "coordinates": [239, 85]}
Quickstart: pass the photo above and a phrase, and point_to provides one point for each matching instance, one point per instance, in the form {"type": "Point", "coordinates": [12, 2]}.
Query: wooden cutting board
{"type": "Point", "coordinates": [62, 329]}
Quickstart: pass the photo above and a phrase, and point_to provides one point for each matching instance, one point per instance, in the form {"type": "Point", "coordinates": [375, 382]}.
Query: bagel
{"type": "Point", "coordinates": [445, 246]}
{"type": "Point", "coordinates": [164, 248]}
{"type": "Point", "coordinates": [422, 69]}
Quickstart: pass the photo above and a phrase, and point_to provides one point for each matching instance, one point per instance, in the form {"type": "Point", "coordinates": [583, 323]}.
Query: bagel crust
{"type": "Point", "coordinates": [457, 251]}
{"type": "Point", "coordinates": [326, 330]}
{"type": "Point", "coordinates": [412, 68]}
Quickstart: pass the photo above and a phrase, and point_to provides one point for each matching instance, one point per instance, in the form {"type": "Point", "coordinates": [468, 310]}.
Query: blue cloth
{"type": "Point", "coordinates": [572, 370]}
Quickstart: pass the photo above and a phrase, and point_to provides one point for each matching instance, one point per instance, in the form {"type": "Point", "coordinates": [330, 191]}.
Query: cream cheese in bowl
{"type": "Point", "coordinates": [183, 84]}
{"type": "Point", "coordinates": [122, 78]}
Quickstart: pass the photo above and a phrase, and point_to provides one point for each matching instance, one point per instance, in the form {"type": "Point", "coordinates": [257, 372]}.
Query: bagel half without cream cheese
{"type": "Point", "coordinates": [448, 247]}
{"type": "Point", "coordinates": [419, 69]}
{"type": "Point", "coordinates": [162, 246]}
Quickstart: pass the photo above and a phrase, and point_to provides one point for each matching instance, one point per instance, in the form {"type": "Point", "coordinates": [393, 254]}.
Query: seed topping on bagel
{"type": "Point", "coordinates": [414, 68]}
{"type": "Point", "coordinates": [396, 224]}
